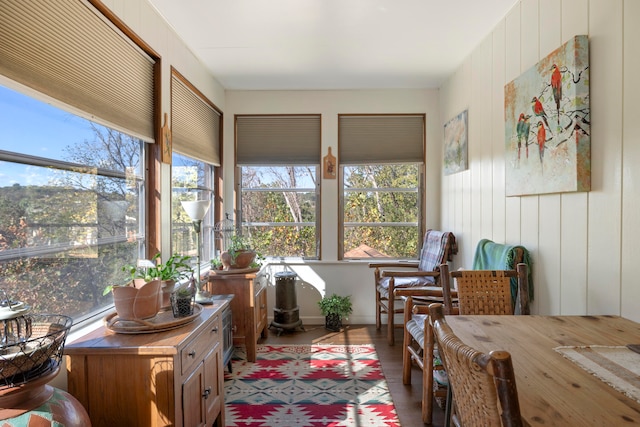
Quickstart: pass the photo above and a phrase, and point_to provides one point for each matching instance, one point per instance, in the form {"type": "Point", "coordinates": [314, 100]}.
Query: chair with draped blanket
{"type": "Point", "coordinates": [438, 248]}
{"type": "Point", "coordinates": [496, 256]}
{"type": "Point", "coordinates": [478, 292]}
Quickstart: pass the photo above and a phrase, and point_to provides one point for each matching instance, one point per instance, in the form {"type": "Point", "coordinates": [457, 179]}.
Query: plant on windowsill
{"type": "Point", "coordinates": [335, 308]}
{"type": "Point", "coordinates": [174, 269]}
{"type": "Point", "coordinates": [216, 264]}
{"type": "Point", "coordinates": [239, 253]}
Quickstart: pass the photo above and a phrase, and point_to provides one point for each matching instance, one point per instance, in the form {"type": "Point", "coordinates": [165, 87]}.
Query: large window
{"type": "Point", "coordinates": [381, 210]}
{"type": "Point", "coordinates": [278, 159]}
{"type": "Point", "coordinates": [196, 127]}
{"type": "Point", "coordinates": [381, 159]}
{"type": "Point", "coordinates": [75, 109]}
{"type": "Point", "coordinates": [279, 209]}
{"type": "Point", "coordinates": [71, 206]}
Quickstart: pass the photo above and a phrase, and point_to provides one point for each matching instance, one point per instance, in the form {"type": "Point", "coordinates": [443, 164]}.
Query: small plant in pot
{"type": "Point", "coordinates": [216, 264]}
{"type": "Point", "coordinates": [335, 308]}
{"type": "Point", "coordinates": [173, 270]}
{"type": "Point", "coordinates": [182, 301]}
{"type": "Point", "coordinates": [239, 254]}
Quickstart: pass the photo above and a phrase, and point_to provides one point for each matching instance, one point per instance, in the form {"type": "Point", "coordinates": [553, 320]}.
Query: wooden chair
{"type": "Point", "coordinates": [438, 248]}
{"type": "Point", "coordinates": [490, 255]}
{"type": "Point", "coordinates": [484, 385]}
{"type": "Point", "coordinates": [489, 291]}
{"type": "Point", "coordinates": [478, 292]}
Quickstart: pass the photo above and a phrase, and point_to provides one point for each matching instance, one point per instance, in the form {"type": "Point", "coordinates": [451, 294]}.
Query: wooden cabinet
{"type": "Point", "coordinates": [249, 307]}
{"type": "Point", "coordinates": [170, 378]}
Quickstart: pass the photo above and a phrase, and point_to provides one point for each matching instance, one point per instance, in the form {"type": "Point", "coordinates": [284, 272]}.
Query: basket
{"type": "Point", "coordinates": [38, 355]}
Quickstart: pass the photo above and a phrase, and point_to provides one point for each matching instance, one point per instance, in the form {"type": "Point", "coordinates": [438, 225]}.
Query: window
{"type": "Point", "coordinates": [279, 209]}
{"type": "Point", "coordinates": [77, 111]}
{"type": "Point", "coordinates": [381, 200]}
{"type": "Point", "coordinates": [381, 210]}
{"type": "Point", "coordinates": [196, 128]}
{"type": "Point", "coordinates": [278, 159]}
{"type": "Point", "coordinates": [71, 207]}
{"type": "Point", "coordinates": [191, 180]}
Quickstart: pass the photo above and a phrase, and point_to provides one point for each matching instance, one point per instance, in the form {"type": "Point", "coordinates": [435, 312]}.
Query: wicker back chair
{"type": "Point", "coordinates": [484, 385]}
{"type": "Point", "coordinates": [422, 276]}
{"type": "Point", "coordinates": [489, 291]}
{"type": "Point", "coordinates": [478, 292]}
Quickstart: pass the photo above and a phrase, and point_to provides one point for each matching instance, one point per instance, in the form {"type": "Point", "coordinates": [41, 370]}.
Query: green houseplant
{"type": "Point", "coordinates": [174, 269]}
{"type": "Point", "coordinates": [335, 307]}
{"type": "Point", "coordinates": [239, 253]}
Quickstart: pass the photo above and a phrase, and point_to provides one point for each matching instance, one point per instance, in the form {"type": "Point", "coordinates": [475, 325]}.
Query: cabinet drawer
{"type": "Point", "coordinates": [194, 352]}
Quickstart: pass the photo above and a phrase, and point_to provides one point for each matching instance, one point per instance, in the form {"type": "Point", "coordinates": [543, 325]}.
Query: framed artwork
{"type": "Point", "coordinates": [547, 124]}
{"type": "Point", "coordinates": [456, 144]}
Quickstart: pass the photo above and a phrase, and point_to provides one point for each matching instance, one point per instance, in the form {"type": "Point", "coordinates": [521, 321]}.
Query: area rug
{"type": "Point", "coordinates": [616, 365]}
{"type": "Point", "coordinates": [309, 386]}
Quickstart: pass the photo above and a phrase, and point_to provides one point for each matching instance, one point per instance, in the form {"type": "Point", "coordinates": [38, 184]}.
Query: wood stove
{"type": "Point", "coordinates": [286, 313]}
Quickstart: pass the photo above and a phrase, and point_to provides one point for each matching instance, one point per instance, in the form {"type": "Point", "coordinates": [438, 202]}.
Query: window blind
{"type": "Point", "coordinates": [195, 123]}
{"type": "Point", "coordinates": [277, 140]}
{"type": "Point", "coordinates": [68, 50]}
{"type": "Point", "coordinates": [380, 138]}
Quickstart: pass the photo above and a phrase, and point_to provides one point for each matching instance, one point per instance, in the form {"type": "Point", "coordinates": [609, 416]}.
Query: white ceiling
{"type": "Point", "coordinates": [332, 44]}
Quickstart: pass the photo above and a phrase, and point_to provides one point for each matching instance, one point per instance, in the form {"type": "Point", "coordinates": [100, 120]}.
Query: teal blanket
{"type": "Point", "coordinates": [495, 256]}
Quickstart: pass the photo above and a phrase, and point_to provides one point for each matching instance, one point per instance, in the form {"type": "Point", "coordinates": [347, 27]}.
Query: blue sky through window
{"type": "Point", "coordinates": [29, 126]}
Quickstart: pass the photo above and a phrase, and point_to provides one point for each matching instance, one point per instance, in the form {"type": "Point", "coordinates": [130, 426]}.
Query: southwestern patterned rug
{"type": "Point", "coordinates": [309, 386]}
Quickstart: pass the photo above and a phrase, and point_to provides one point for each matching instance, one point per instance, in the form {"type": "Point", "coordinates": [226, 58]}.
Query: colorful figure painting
{"type": "Point", "coordinates": [456, 144]}
{"type": "Point", "coordinates": [547, 124]}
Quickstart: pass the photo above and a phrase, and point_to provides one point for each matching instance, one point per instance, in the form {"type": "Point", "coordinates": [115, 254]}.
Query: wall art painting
{"type": "Point", "coordinates": [547, 124]}
{"type": "Point", "coordinates": [456, 144]}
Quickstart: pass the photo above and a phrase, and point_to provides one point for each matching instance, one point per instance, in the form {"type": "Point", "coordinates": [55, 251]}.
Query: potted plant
{"type": "Point", "coordinates": [174, 269]}
{"type": "Point", "coordinates": [335, 308]}
{"type": "Point", "coordinates": [182, 301]}
{"type": "Point", "coordinates": [239, 254]}
{"type": "Point", "coordinates": [132, 303]}
{"type": "Point", "coordinates": [216, 264]}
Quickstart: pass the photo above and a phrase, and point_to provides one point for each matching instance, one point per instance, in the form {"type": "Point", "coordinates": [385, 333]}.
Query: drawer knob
{"type": "Point", "coordinates": [214, 329]}
{"type": "Point", "coordinates": [192, 353]}
{"type": "Point", "coordinates": [207, 392]}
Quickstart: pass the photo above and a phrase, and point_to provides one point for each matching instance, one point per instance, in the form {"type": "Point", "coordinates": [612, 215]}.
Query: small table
{"type": "Point", "coordinates": [248, 307]}
{"type": "Point", "coordinates": [552, 390]}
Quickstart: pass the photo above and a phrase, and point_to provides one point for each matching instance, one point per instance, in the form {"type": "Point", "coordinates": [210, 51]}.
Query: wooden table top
{"type": "Point", "coordinates": [552, 390]}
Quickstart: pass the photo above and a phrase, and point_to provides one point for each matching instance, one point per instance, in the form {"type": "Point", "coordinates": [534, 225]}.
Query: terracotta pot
{"type": "Point", "coordinates": [243, 259]}
{"type": "Point", "coordinates": [137, 303]}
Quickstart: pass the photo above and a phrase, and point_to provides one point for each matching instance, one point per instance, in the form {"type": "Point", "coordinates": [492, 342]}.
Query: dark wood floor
{"type": "Point", "coordinates": [405, 397]}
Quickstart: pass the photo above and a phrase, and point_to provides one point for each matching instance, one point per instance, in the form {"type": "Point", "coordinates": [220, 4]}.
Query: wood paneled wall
{"type": "Point", "coordinates": [583, 244]}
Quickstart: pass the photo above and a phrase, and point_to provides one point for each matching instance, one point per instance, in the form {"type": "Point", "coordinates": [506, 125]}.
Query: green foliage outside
{"type": "Point", "coordinates": [62, 243]}
{"type": "Point", "coordinates": [384, 194]}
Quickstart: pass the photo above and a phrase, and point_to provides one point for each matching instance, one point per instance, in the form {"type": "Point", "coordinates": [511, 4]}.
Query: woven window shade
{"type": "Point", "coordinates": [68, 50]}
{"type": "Point", "coordinates": [381, 139]}
{"type": "Point", "coordinates": [278, 140]}
{"type": "Point", "coordinates": [195, 124]}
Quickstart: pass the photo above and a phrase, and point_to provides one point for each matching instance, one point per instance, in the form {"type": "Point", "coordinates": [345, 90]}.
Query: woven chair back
{"type": "Point", "coordinates": [484, 291]}
{"type": "Point", "coordinates": [483, 384]}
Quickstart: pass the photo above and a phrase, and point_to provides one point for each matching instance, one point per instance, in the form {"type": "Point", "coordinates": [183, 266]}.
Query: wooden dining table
{"type": "Point", "coordinates": [553, 390]}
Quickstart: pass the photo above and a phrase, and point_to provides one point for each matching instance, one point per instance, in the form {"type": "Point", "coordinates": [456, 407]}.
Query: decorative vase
{"type": "Point", "coordinates": [137, 303]}
{"type": "Point", "coordinates": [243, 259]}
{"type": "Point", "coordinates": [333, 322]}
